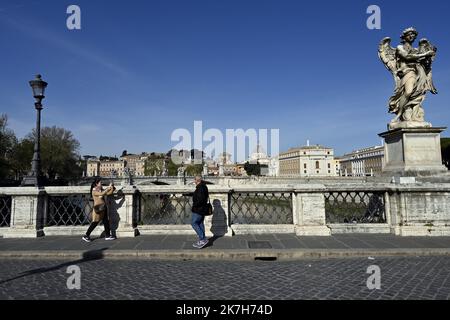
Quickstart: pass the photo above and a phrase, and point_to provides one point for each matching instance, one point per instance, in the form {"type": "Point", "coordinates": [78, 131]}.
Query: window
{"type": "Point", "coordinates": [304, 166]}
{"type": "Point", "coordinates": [317, 165]}
{"type": "Point", "coordinates": [304, 171]}
{"type": "Point", "coordinates": [329, 166]}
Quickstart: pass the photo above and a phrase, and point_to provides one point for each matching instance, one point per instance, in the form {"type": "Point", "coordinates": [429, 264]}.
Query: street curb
{"type": "Point", "coordinates": [225, 255]}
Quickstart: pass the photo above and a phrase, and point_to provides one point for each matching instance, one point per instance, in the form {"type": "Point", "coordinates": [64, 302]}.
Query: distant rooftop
{"type": "Point", "coordinates": [316, 147]}
{"type": "Point", "coordinates": [368, 149]}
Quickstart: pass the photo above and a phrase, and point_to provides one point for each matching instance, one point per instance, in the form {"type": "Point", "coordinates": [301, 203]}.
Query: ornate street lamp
{"type": "Point", "coordinates": [34, 177]}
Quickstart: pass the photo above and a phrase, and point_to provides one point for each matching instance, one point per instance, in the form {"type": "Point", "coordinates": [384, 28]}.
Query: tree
{"type": "Point", "coordinates": [194, 170]}
{"type": "Point", "coordinates": [153, 166]}
{"type": "Point", "coordinates": [21, 157]}
{"type": "Point", "coordinates": [8, 141]}
{"type": "Point", "coordinates": [172, 168]}
{"type": "Point", "coordinates": [445, 148]}
{"type": "Point", "coordinates": [59, 153]}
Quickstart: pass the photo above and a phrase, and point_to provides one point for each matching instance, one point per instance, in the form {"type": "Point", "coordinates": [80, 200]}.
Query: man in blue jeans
{"type": "Point", "coordinates": [199, 210]}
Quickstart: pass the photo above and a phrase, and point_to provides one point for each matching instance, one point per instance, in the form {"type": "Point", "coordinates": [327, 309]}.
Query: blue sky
{"type": "Point", "coordinates": [137, 70]}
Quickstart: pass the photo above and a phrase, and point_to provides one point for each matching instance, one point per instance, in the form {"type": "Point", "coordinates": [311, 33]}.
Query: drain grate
{"type": "Point", "coordinates": [259, 245]}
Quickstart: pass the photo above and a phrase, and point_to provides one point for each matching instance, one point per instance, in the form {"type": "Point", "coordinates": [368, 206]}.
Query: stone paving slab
{"type": "Point", "coordinates": [283, 246]}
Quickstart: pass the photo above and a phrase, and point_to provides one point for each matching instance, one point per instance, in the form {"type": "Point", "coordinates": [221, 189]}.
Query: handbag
{"type": "Point", "coordinates": [210, 208]}
{"type": "Point", "coordinates": [100, 208]}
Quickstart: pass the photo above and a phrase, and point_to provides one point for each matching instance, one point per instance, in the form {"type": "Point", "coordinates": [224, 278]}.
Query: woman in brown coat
{"type": "Point", "coordinates": [100, 212]}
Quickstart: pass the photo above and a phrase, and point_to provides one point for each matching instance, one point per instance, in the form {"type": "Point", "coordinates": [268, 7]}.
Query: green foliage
{"type": "Point", "coordinates": [153, 166]}
{"type": "Point", "coordinates": [8, 141]}
{"type": "Point", "coordinates": [172, 168]}
{"type": "Point", "coordinates": [194, 170]}
{"type": "Point", "coordinates": [106, 158]}
{"type": "Point", "coordinates": [59, 153]}
{"type": "Point", "coordinates": [21, 158]}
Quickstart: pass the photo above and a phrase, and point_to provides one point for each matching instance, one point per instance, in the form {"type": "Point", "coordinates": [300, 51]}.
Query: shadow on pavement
{"type": "Point", "coordinates": [87, 256]}
{"type": "Point", "coordinates": [211, 241]}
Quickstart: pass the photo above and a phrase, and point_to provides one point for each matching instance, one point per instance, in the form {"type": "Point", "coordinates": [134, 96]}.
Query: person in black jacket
{"type": "Point", "coordinates": [199, 210]}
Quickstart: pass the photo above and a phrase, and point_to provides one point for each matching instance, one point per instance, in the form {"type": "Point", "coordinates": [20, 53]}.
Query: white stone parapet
{"type": "Point", "coordinates": [420, 209]}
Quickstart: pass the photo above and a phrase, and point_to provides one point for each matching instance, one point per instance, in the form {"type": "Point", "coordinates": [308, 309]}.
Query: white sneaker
{"type": "Point", "coordinates": [203, 243]}
{"type": "Point", "coordinates": [110, 238]}
{"type": "Point", "coordinates": [197, 244]}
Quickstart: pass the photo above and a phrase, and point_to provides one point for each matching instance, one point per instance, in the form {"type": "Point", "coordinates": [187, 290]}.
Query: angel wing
{"type": "Point", "coordinates": [425, 46]}
{"type": "Point", "coordinates": [387, 55]}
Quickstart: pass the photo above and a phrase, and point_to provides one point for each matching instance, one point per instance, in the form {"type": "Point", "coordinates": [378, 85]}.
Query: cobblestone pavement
{"type": "Point", "coordinates": [401, 278]}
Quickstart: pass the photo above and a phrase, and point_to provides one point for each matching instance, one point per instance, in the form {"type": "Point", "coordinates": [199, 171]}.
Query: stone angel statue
{"type": "Point", "coordinates": [411, 68]}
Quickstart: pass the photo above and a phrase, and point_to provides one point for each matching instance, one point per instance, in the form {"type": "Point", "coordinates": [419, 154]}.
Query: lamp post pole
{"type": "Point", "coordinates": [34, 177]}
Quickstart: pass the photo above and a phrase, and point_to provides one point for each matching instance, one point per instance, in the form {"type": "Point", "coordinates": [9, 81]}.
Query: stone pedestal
{"type": "Point", "coordinates": [413, 151]}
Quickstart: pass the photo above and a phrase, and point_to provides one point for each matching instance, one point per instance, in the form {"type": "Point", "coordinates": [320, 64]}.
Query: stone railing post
{"type": "Point", "coordinates": [309, 211]}
{"type": "Point", "coordinates": [27, 212]}
{"type": "Point", "coordinates": [122, 206]}
{"type": "Point", "coordinates": [420, 210]}
{"type": "Point", "coordinates": [218, 224]}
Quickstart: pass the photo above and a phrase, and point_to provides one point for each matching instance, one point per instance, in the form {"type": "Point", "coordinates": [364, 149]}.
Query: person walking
{"type": "Point", "coordinates": [100, 211]}
{"type": "Point", "coordinates": [199, 211]}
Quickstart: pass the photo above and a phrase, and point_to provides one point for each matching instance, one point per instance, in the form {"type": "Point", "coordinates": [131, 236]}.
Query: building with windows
{"type": "Point", "coordinates": [362, 163]}
{"type": "Point", "coordinates": [136, 163]}
{"type": "Point", "coordinates": [307, 161]}
{"type": "Point", "coordinates": [337, 166]}
{"type": "Point", "coordinates": [93, 167]}
{"type": "Point", "coordinates": [112, 168]}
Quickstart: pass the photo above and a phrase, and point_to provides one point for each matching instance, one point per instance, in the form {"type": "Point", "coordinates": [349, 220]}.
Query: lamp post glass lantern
{"type": "Point", "coordinates": [34, 177]}
{"type": "Point", "coordinates": [38, 86]}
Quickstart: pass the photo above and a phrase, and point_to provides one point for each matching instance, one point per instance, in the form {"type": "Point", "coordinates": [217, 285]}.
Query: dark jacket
{"type": "Point", "coordinates": [200, 199]}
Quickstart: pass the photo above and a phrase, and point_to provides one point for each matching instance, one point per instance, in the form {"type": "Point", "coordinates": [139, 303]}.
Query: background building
{"type": "Point", "coordinates": [308, 161]}
{"type": "Point", "coordinates": [93, 168]}
{"type": "Point", "coordinates": [337, 166]}
{"type": "Point", "coordinates": [136, 163]}
{"type": "Point", "coordinates": [364, 162]}
{"type": "Point", "coordinates": [224, 159]}
{"type": "Point", "coordinates": [112, 168]}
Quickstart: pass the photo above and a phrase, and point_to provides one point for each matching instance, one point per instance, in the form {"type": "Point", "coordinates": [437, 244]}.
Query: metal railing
{"type": "Point", "coordinates": [172, 206]}
{"type": "Point", "coordinates": [354, 207]}
{"type": "Point", "coordinates": [261, 208]}
{"type": "Point", "coordinates": [163, 209]}
{"type": "Point", "coordinates": [5, 211]}
{"type": "Point", "coordinates": [68, 210]}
